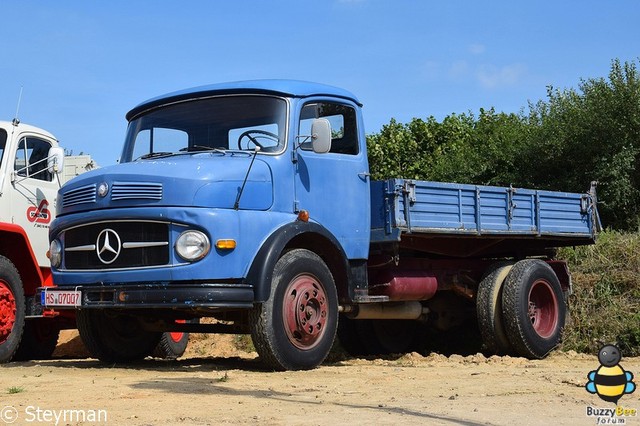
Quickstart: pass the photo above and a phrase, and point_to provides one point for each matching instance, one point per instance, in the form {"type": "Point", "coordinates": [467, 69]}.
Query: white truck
{"type": "Point", "coordinates": [31, 172]}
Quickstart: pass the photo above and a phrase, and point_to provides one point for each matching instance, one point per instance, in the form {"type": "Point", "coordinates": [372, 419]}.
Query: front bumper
{"type": "Point", "coordinates": [156, 296]}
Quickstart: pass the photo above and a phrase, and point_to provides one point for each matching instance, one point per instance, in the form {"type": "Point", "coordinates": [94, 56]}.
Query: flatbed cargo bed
{"type": "Point", "coordinates": [479, 221]}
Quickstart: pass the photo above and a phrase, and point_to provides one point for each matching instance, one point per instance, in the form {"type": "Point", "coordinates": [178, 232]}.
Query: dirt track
{"type": "Point", "coordinates": [224, 385]}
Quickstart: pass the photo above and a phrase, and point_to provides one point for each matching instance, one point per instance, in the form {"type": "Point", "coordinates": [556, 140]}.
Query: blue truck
{"type": "Point", "coordinates": [252, 203]}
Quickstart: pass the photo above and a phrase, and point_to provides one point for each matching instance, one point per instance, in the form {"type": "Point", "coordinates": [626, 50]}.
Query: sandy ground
{"type": "Point", "coordinates": [215, 383]}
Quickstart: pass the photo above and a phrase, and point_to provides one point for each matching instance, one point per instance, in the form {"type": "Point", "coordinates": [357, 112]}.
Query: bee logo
{"type": "Point", "coordinates": [610, 381]}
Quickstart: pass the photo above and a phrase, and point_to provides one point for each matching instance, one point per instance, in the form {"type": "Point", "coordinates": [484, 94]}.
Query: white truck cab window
{"type": "Point", "coordinates": [31, 159]}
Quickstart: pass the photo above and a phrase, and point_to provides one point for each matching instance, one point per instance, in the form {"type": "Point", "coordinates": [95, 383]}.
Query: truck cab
{"type": "Point", "coordinates": [30, 166]}
{"type": "Point", "coordinates": [214, 184]}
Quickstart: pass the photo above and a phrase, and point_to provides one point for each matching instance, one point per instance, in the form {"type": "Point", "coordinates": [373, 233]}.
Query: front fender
{"type": "Point", "coordinates": [293, 235]}
{"type": "Point", "coordinates": [14, 245]}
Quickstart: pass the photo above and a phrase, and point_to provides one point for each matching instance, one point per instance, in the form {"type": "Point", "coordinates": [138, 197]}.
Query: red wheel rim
{"type": "Point", "coordinates": [543, 308]}
{"type": "Point", "coordinates": [7, 311]}
{"type": "Point", "coordinates": [304, 311]}
{"type": "Point", "coordinates": [176, 336]}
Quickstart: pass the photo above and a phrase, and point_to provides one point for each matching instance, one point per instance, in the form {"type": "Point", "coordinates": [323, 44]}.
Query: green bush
{"type": "Point", "coordinates": [562, 143]}
{"type": "Point", "coordinates": [605, 304]}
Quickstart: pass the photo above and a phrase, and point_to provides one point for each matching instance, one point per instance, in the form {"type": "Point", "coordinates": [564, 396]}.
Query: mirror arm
{"type": "Point", "coordinates": [300, 140]}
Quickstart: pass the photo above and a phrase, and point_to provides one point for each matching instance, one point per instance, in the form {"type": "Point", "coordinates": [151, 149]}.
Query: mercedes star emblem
{"type": "Point", "coordinates": [108, 246]}
{"type": "Point", "coordinates": [103, 188]}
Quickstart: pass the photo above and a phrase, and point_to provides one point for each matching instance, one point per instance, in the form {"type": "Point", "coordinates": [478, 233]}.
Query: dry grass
{"type": "Point", "coordinates": [605, 305]}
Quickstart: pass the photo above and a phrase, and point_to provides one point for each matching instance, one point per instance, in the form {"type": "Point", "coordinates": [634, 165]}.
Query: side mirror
{"type": "Point", "coordinates": [55, 160]}
{"type": "Point", "coordinates": [321, 135]}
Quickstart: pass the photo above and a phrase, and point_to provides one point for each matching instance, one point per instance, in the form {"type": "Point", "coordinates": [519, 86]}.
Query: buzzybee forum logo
{"type": "Point", "coordinates": [610, 382]}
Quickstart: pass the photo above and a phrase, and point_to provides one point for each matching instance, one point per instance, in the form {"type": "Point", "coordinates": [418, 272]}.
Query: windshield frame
{"type": "Point", "coordinates": [133, 129]}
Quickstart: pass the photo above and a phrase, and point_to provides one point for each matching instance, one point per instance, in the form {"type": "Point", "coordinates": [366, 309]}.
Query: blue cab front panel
{"type": "Point", "coordinates": [248, 228]}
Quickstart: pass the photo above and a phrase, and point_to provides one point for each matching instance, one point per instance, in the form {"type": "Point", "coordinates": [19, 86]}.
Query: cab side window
{"type": "Point", "coordinates": [3, 142]}
{"type": "Point", "coordinates": [31, 159]}
{"type": "Point", "coordinates": [344, 129]}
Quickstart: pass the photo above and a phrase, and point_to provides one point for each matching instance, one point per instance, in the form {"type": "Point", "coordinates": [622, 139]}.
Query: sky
{"type": "Point", "coordinates": [83, 64]}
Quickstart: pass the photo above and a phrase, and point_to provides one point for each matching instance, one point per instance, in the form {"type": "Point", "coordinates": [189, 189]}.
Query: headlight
{"type": "Point", "coordinates": [55, 253]}
{"type": "Point", "coordinates": [192, 245]}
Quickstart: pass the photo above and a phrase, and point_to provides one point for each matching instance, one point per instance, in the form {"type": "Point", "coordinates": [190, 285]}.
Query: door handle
{"type": "Point", "coordinates": [364, 175]}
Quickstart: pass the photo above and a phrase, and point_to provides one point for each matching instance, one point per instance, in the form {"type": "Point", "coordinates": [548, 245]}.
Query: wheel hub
{"type": "Point", "coordinates": [543, 308]}
{"type": "Point", "coordinates": [7, 311]}
{"type": "Point", "coordinates": [305, 311]}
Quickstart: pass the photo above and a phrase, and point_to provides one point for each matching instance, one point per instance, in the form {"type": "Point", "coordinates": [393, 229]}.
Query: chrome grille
{"type": "Point", "coordinates": [83, 195]}
{"type": "Point", "coordinates": [116, 245]}
{"type": "Point", "coordinates": [136, 190]}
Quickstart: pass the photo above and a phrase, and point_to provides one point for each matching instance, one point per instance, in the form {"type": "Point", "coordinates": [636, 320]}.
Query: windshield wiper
{"type": "Point", "coordinates": [195, 148]}
{"type": "Point", "coordinates": [155, 155]}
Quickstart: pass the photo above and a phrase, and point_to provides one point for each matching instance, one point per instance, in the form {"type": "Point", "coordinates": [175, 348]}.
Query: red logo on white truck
{"type": "Point", "coordinates": [39, 214]}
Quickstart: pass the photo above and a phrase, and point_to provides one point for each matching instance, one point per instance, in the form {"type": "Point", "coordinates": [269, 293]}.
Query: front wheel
{"type": "Point", "coordinates": [295, 328]}
{"type": "Point", "coordinates": [173, 344]}
{"type": "Point", "coordinates": [113, 337]}
{"type": "Point", "coordinates": [534, 308]}
{"type": "Point", "coordinates": [12, 309]}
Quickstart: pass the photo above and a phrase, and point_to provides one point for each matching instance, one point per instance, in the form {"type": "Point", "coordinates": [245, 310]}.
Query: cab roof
{"type": "Point", "coordinates": [9, 126]}
{"type": "Point", "coordinates": [290, 88]}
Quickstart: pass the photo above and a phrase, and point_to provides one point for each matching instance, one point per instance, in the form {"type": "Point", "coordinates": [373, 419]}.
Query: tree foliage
{"type": "Point", "coordinates": [462, 148]}
{"type": "Point", "coordinates": [561, 143]}
{"type": "Point", "coordinates": [592, 133]}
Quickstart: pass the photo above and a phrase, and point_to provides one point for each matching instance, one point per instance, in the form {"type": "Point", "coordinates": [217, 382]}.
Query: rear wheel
{"type": "Point", "coordinates": [12, 310]}
{"type": "Point", "coordinates": [534, 308]}
{"type": "Point", "coordinates": [113, 337]}
{"type": "Point", "coordinates": [489, 309]}
{"type": "Point", "coordinates": [295, 328]}
{"type": "Point", "coordinates": [39, 339]}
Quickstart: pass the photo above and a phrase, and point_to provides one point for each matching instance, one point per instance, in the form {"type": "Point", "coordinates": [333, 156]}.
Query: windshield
{"type": "Point", "coordinates": [212, 124]}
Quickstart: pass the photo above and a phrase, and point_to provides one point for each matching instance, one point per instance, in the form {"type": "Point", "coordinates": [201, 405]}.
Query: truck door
{"type": "Point", "coordinates": [33, 193]}
{"type": "Point", "coordinates": [334, 187]}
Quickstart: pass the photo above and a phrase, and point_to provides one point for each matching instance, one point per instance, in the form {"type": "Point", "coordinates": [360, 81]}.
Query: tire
{"type": "Point", "coordinates": [113, 337]}
{"type": "Point", "coordinates": [295, 328]}
{"type": "Point", "coordinates": [39, 339]}
{"type": "Point", "coordinates": [12, 310]}
{"type": "Point", "coordinates": [172, 345]}
{"type": "Point", "coordinates": [377, 337]}
{"type": "Point", "coordinates": [534, 309]}
{"type": "Point", "coordinates": [489, 309]}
